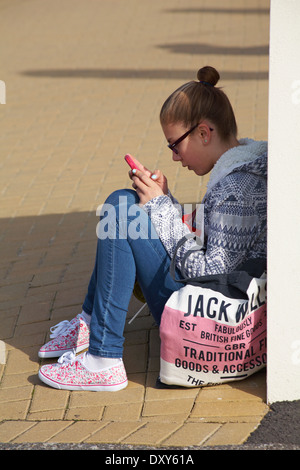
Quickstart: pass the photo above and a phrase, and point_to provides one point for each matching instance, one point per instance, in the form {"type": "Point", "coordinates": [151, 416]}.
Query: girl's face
{"type": "Point", "coordinates": [192, 152]}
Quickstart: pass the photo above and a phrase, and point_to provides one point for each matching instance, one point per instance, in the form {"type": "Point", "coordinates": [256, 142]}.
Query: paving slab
{"type": "Point", "coordinates": [84, 86]}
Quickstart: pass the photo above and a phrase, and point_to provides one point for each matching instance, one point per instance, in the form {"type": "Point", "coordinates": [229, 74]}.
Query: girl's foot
{"type": "Point", "coordinates": [70, 373]}
{"type": "Point", "coordinates": [67, 336]}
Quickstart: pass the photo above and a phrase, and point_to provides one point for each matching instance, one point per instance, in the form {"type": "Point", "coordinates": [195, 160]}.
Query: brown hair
{"type": "Point", "coordinates": [198, 100]}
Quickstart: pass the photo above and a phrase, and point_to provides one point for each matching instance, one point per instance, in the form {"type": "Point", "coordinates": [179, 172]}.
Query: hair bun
{"type": "Point", "coordinates": [209, 75]}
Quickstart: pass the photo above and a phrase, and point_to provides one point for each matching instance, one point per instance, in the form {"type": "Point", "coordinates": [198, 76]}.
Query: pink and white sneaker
{"type": "Point", "coordinates": [67, 336]}
{"type": "Point", "coordinates": [70, 373]}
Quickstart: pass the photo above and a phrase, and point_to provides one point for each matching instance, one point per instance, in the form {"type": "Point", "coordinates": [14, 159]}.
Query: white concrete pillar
{"type": "Point", "coordinates": [283, 370]}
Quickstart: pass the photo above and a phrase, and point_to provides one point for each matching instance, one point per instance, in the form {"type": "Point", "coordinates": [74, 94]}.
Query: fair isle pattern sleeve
{"type": "Point", "coordinates": [234, 221]}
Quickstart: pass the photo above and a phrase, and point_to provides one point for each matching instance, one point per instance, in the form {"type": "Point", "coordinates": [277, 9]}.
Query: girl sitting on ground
{"type": "Point", "coordinates": [199, 124]}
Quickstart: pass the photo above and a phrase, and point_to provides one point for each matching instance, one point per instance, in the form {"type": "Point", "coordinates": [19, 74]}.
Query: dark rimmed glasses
{"type": "Point", "coordinates": [174, 145]}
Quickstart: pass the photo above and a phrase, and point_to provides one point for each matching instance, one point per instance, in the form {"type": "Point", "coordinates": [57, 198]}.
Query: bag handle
{"type": "Point", "coordinates": [186, 279]}
{"type": "Point", "coordinates": [181, 242]}
{"type": "Point", "coordinates": [235, 282]}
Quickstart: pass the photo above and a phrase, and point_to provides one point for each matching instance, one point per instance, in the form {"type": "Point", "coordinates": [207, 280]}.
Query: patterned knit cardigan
{"type": "Point", "coordinates": [235, 214]}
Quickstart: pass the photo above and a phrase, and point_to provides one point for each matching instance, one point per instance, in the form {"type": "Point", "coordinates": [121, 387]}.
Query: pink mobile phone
{"type": "Point", "coordinates": [130, 162]}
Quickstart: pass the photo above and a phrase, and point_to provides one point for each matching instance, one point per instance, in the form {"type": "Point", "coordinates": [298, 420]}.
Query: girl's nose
{"type": "Point", "coordinates": [176, 157]}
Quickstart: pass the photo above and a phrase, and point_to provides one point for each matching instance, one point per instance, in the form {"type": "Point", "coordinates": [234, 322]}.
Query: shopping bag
{"type": "Point", "coordinates": [213, 329]}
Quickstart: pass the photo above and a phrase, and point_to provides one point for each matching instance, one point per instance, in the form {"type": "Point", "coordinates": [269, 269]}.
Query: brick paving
{"type": "Point", "coordinates": [84, 85]}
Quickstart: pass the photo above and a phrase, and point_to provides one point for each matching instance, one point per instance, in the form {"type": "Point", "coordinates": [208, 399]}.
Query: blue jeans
{"type": "Point", "coordinates": [129, 251]}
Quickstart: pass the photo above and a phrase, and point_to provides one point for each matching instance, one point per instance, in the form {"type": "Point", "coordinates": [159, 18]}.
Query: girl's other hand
{"type": "Point", "coordinates": [146, 187]}
{"type": "Point", "coordinates": [161, 180]}
{"type": "Point", "coordinates": [157, 176]}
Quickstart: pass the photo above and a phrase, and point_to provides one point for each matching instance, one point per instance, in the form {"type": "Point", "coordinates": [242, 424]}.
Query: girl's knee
{"type": "Point", "coordinates": [122, 196]}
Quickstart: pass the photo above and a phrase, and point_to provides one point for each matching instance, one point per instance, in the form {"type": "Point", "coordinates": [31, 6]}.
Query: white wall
{"type": "Point", "coordinates": [283, 371]}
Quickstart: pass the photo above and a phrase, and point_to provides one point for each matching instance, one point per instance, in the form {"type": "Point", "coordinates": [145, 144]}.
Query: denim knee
{"type": "Point", "coordinates": [116, 197]}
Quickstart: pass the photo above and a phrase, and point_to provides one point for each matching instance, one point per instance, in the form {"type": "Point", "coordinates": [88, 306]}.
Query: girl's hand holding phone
{"type": "Point", "coordinates": [147, 184]}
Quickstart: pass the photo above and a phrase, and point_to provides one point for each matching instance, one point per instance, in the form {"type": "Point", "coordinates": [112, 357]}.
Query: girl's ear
{"type": "Point", "coordinates": [204, 132]}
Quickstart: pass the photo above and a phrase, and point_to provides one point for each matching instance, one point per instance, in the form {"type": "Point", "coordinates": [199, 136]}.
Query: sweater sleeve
{"type": "Point", "coordinates": [166, 216]}
{"type": "Point", "coordinates": [232, 226]}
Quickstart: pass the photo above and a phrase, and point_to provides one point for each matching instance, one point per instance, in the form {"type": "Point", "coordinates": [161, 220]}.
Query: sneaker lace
{"type": "Point", "coordinates": [67, 358]}
{"type": "Point", "coordinates": [59, 329]}
{"type": "Point", "coordinates": [63, 326]}
{"type": "Point", "coordinates": [137, 313]}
